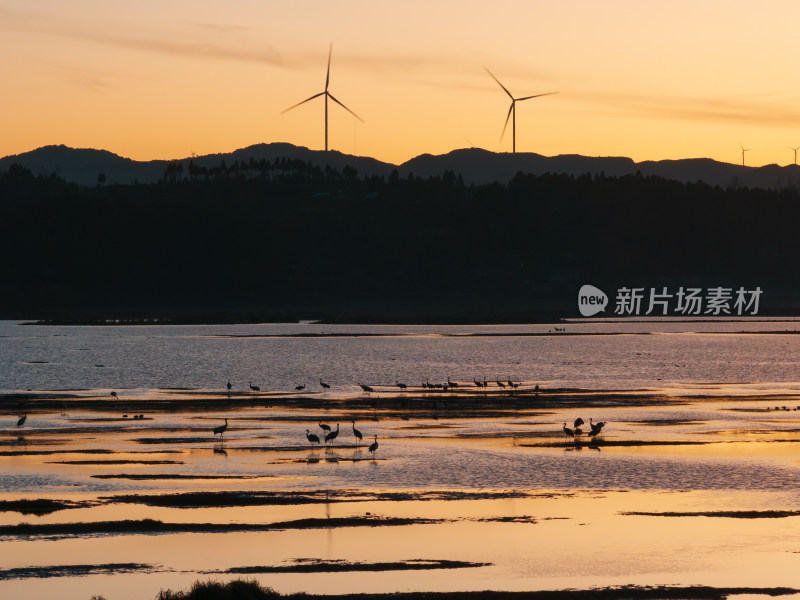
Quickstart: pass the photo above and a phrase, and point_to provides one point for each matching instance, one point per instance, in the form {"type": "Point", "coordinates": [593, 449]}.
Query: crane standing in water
{"type": "Point", "coordinates": [220, 429]}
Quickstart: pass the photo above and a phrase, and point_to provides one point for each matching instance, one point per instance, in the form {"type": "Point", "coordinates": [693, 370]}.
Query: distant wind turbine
{"type": "Point", "coordinates": [743, 151]}
{"type": "Point", "coordinates": [327, 95]}
{"type": "Point", "coordinates": [795, 153]}
{"type": "Point", "coordinates": [512, 111]}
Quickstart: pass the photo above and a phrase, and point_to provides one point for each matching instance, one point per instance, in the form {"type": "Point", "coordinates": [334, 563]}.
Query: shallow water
{"type": "Point", "coordinates": [744, 456]}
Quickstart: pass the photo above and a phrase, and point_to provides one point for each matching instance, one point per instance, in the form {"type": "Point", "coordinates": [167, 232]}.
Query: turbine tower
{"type": "Point", "coordinates": [327, 95]}
{"type": "Point", "coordinates": [512, 111]}
{"type": "Point", "coordinates": [743, 151]}
{"type": "Point", "coordinates": [795, 153]}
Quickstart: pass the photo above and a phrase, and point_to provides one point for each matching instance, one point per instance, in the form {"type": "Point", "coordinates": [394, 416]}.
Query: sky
{"type": "Point", "coordinates": [166, 79]}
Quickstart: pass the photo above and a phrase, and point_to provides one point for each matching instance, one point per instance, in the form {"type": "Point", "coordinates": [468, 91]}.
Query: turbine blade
{"type": "Point", "coordinates": [500, 84]}
{"type": "Point", "coordinates": [535, 96]}
{"type": "Point", "coordinates": [328, 73]}
{"type": "Point", "coordinates": [344, 107]}
{"type": "Point", "coordinates": [303, 102]}
{"type": "Point", "coordinates": [508, 116]}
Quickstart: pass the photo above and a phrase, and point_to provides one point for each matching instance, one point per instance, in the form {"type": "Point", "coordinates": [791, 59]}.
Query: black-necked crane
{"type": "Point", "coordinates": [451, 383]}
{"type": "Point", "coordinates": [314, 439]}
{"type": "Point", "coordinates": [229, 386]}
{"type": "Point", "coordinates": [255, 388]}
{"type": "Point", "coordinates": [114, 394]}
{"type": "Point", "coordinates": [21, 420]}
{"type": "Point", "coordinates": [500, 383]}
{"type": "Point", "coordinates": [596, 427]}
{"type": "Point", "coordinates": [329, 437]}
{"type": "Point", "coordinates": [373, 446]}
{"type": "Point", "coordinates": [568, 432]}
{"type": "Point", "coordinates": [578, 432]}
{"type": "Point", "coordinates": [325, 386]}
{"type": "Point", "coordinates": [578, 422]}
{"type": "Point", "coordinates": [477, 383]}
{"type": "Point", "coordinates": [512, 384]}
{"type": "Point", "coordinates": [299, 388]}
{"type": "Point", "coordinates": [402, 386]}
{"type": "Point", "coordinates": [356, 433]}
{"type": "Point", "coordinates": [366, 388]}
{"type": "Point", "coordinates": [324, 427]}
{"type": "Point", "coordinates": [220, 429]}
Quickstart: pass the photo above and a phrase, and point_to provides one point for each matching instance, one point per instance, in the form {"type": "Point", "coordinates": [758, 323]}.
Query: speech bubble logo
{"type": "Point", "coordinates": [591, 300]}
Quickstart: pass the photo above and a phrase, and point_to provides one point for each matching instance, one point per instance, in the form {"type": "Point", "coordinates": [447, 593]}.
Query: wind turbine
{"type": "Point", "coordinates": [327, 95]}
{"type": "Point", "coordinates": [743, 151]}
{"type": "Point", "coordinates": [795, 153]}
{"type": "Point", "coordinates": [512, 111]}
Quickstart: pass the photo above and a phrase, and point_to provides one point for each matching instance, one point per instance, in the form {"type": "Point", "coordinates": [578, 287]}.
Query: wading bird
{"type": "Point", "coordinates": [373, 446]}
{"type": "Point", "coordinates": [324, 385]}
{"type": "Point", "coordinates": [229, 386]}
{"type": "Point", "coordinates": [500, 383]}
{"type": "Point", "coordinates": [568, 432]}
{"type": "Point", "coordinates": [314, 439]}
{"type": "Point", "coordinates": [366, 388]}
{"type": "Point", "coordinates": [356, 432]}
{"type": "Point", "coordinates": [402, 386]}
{"type": "Point", "coordinates": [255, 388]}
{"type": "Point", "coordinates": [324, 427]}
{"type": "Point", "coordinates": [300, 388]}
{"type": "Point", "coordinates": [114, 394]}
{"type": "Point", "coordinates": [220, 429]}
{"type": "Point", "coordinates": [21, 420]}
{"type": "Point", "coordinates": [577, 422]}
{"type": "Point", "coordinates": [451, 383]}
{"type": "Point", "coordinates": [596, 427]}
{"type": "Point", "coordinates": [329, 437]}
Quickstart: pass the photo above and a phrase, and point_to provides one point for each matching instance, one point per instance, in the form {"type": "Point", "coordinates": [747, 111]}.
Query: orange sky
{"type": "Point", "coordinates": [648, 80]}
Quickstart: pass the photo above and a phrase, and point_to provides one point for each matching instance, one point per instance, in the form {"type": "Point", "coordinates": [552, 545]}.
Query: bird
{"type": "Point", "coordinates": [568, 431]}
{"type": "Point", "coordinates": [578, 432]}
{"type": "Point", "coordinates": [500, 383]}
{"type": "Point", "coordinates": [314, 439]}
{"type": "Point", "coordinates": [451, 383]}
{"type": "Point", "coordinates": [578, 422]}
{"type": "Point", "coordinates": [373, 446]}
{"type": "Point", "coordinates": [324, 427]}
{"type": "Point", "coordinates": [324, 385]}
{"type": "Point", "coordinates": [255, 388]}
{"type": "Point", "coordinates": [402, 386]}
{"type": "Point", "coordinates": [477, 383]}
{"type": "Point", "coordinates": [366, 388]}
{"type": "Point", "coordinates": [356, 432]}
{"type": "Point", "coordinates": [512, 384]}
{"type": "Point", "coordinates": [300, 388]}
{"type": "Point", "coordinates": [114, 394]}
{"type": "Point", "coordinates": [329, 437]}
{"type": "Point", "coordinates": [596, 427]}
{"type": "Point", "coordinates": [229, 386]}
{"type": "Point", "coordinates": [220, 429]}
{"type": "Point", "coordinates": [22, 420]}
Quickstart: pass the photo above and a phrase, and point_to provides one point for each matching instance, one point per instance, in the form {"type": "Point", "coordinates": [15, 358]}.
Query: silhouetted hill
{"type": "Point", "coordinates": [475, 165]}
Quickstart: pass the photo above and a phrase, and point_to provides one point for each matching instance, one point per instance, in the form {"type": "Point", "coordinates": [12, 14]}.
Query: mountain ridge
{"type": "Point", "coordinates": [477, 166]}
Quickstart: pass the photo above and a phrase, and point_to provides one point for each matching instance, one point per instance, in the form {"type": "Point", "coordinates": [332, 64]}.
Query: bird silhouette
{"type": "Point", "coordinates": [21, 420]}
{"type": "Point", "coordinates": [114, 394]}
{"type": "Point", "coordinates": [568, 431]}
{"type": "Point", "coordinates": [578, 422]}
{"type": "Point", "coordinates": [451, 383]}
{"type": "Point", "coordinates": [596, 427]}
{"type": "Point", "coordinates": [373, 446]}
{"type": "Point", "coordinates": [500, 383]}
{"type": "Point", "coordinates": [325, 386]}
{"type": "Point", "coordinates": [329, 437]}
{"type": "Point", "coordinates": [300, 388]}
{"type": "Point", "coordinates": [324, 427]}
{"type": "Point", "coordinates": [220, 429]}
{"type": "Point", "coordinates": [402, 386]}
{"type": "Point", "coordinates": [314, 439]}
{"type": "Point", "coordinates": [229, 386]}
{"type": "Point", "coordinates": [356, 432]}
{"type": "Point", "coordinates": [366, 388]}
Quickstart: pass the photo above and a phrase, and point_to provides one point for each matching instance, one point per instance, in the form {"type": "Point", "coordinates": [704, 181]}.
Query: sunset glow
{"type": "Point", "coordinates": [651, 81]}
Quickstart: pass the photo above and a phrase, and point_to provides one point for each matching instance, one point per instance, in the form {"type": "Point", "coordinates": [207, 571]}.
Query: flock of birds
{"type": "Point", "coordinates": [575, 432]}
{"type": "Point", "coordinates": [449, 384]}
